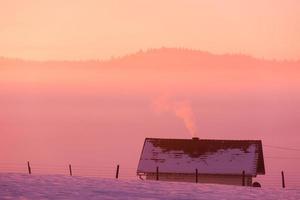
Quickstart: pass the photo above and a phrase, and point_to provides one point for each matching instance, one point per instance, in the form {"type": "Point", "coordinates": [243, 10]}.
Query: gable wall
{"type": "Point", "coordinates": [214, 179]}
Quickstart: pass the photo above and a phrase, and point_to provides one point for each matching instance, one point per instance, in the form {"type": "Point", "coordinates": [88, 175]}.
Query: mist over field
{"type": "Point", "coordinates": [99, 112]}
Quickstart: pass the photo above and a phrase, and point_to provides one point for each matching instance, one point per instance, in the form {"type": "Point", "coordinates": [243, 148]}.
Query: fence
{"type": "Point", "coordinates": [102, 171]}
{"type": "Point", "coordinates": [283, 179]}
{"type": "Point", "coordinates": [280, 179]}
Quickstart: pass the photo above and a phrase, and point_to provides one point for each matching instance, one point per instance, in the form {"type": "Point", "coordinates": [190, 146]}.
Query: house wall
{"type": "Point", "coordinates": [217, 179]}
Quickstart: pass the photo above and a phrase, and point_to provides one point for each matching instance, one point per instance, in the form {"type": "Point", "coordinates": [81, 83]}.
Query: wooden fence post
{"type": "Point", "coordinates": [29, 168]}
{"type": "Point", "coordinates": [196, 175]}
{"type": "Point", "coordinates": [243, 177]}
{"type": "Point", "coordinates": [70, 170]}
{"type": "Point", "coordinates": [282, 179]}
{"type": "Point", "coordinates": [117, 172]}
{"type": "Point", "coordinates": [157, 171]}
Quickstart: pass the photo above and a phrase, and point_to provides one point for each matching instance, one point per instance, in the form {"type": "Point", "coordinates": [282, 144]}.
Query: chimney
{"type": "Point", "coordinates": [195, 138]}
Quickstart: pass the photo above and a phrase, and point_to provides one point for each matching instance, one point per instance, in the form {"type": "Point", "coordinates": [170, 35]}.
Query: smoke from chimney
{"type": "Point", "coordinates": [182, 109]}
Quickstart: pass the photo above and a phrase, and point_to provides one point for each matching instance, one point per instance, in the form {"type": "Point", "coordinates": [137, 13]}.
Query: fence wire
{"type": "Point", "coordinates": [270, 180]}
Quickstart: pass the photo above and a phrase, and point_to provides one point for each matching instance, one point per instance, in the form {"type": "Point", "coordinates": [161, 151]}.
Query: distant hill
{"type": "Point", "coordinates": [165, 57]}
{"type": "Point", "coordinates": [159, 66]}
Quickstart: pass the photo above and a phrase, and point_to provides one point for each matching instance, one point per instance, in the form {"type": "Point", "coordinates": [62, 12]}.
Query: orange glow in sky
{"type": "Point", "coordinates": [99, 29]}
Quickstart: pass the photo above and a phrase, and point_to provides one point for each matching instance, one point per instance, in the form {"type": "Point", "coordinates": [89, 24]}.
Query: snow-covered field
{"type": "Point", "coordinates": [23, 186]}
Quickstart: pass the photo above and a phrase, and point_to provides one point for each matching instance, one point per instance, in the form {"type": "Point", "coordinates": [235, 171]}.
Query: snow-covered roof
{"type": "Point", "coordinates": [208, 156]}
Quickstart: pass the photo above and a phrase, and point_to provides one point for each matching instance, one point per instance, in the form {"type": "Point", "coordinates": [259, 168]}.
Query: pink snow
{"type": "Point", "coordinates": [22, 186]}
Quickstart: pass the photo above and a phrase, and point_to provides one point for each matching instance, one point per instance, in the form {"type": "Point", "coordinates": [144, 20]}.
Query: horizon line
{"type": "Point", "coordinates": [145, 51]}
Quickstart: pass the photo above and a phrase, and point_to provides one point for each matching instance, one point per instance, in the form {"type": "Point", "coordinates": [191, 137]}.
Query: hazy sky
{"type": "Point", "coordinates": [84, 29]}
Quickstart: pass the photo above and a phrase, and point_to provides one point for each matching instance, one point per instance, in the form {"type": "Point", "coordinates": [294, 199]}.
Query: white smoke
{"type": "Point", "coordinates": [181, 108]}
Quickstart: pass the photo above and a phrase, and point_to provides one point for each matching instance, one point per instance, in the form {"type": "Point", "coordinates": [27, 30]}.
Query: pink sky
{"type": "Point", "coordinates": [89, 29]}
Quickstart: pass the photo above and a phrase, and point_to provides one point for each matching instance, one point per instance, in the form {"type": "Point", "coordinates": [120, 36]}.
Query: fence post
{"type": "Point", "coordinates": [117, 172]}
{"type": "Point", "coordinates": [243, 177]}
{"type": "Point", "coordinates": [29, 168]}
{"type": "Point", "coordinates": [196, 175]}
{"type": "Point", "coordinates": [70, 170]}
{"type": "Point", "coordinates": [282, 179]}
{"type": "Point", "coordinates": [157, 171]}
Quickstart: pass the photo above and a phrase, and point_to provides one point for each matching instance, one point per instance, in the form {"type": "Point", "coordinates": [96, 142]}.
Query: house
{"type": "Point", "coordinates": [229, 162]}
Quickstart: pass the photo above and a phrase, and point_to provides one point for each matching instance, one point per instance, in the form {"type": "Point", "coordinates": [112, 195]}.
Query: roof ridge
{"type": "Point", "coordinates": [203, 139]}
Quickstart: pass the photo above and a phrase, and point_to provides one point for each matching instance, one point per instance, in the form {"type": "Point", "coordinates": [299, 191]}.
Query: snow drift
{"type": "Point", "coordinates": [21, 186]}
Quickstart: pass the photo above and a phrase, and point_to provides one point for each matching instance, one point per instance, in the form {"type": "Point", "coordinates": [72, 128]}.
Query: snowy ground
{"type": "Point", "coordinates": [23, 186]}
